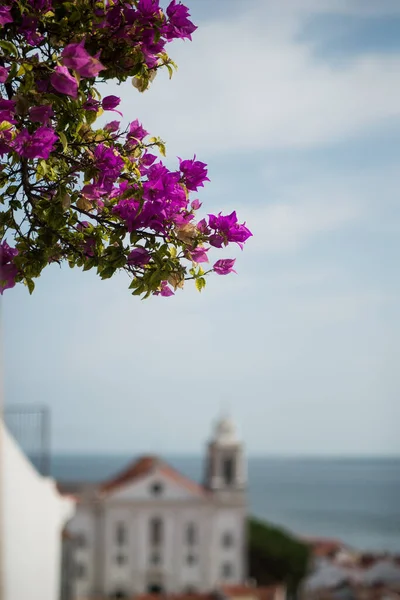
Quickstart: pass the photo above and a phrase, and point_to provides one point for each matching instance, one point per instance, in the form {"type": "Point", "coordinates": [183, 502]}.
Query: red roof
{"type": "Point", "coordinates": [231, 591]}
{"type": "Point", "coordinates": [175, 597]}
{"type": "Point", "coordinates": [146, 465]}
{"type": "Point", "coordinates": [261, 593]}
{"type": "Point", "coordinates": [323, 547]}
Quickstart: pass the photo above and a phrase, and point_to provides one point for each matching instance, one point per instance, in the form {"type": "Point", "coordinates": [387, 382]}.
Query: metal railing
{"type": "Point", "coordinates": [30, 426]}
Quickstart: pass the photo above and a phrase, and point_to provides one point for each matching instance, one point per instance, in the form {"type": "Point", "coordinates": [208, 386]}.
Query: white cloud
{"type": "Point", "coordinates": [287, 227]}
{"type": "Point", "coordinates": [245, 84]}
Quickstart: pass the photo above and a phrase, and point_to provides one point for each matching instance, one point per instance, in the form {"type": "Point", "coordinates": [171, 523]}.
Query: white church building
{"type": "Point", "coordinates": [150, 529]}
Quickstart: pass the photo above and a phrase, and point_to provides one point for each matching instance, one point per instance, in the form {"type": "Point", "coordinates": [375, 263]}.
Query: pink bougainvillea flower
{"type": "Point", "coordinates": [194, 173]}
{"type": "Point", "coordinates": [166, 290]}
{"type": "Point", "coordinates": [3, 74]}
{"type": "Point", "coordinates": [179, 26]}
{"type": "Point", "coordinates": [8, 270]}
{"type": "Point", "coordinates": [199, 255]}
{"type": "Point", "coordinates": [36, 145]}
{"type": "Point", "coordinates": [74, 56]}
{"type": "Point", "coordinates": [29, 30]}
{"type": "Point", "coordinates": [138, 257]}
{"type": "Point", "coordinates": [5, 16]}
{"type": "Point", "coordinates": [224, 266]}
{"type": "Point", "coordinates": [64, 82]}
{"type": "Point", "coordinates": [110, 103]}
{"type": "Point", "coordinates": [136, 132]}
{"type": "Point", "coordinates": [41, 114]}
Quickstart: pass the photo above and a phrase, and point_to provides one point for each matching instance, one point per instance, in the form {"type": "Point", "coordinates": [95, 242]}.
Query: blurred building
{"type": "Point", "coordinates": [151, 530]}
{"type": "Point", "coordinates": [339, 573]}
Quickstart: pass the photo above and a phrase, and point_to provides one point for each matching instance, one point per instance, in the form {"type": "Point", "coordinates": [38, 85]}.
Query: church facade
{"type": "Point", "coordinates": [152, 530]}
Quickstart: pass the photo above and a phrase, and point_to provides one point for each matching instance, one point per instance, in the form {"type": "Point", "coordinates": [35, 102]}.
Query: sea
{"type": "Point", "coordinates": [356, 501]}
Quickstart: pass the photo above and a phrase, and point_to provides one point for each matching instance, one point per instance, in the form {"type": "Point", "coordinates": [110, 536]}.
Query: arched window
{"type": "Point", "coordinates": [191, 534]}
{"type": "Point", "coordinates": [156, 531]}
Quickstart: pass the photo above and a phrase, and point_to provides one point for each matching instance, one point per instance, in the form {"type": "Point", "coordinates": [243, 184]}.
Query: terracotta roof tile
{"type": "Point", "coordinates": [261, 593]}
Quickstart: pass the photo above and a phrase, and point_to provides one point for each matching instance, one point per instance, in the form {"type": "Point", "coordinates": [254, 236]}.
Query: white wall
{"type": "Point", "coordinates": [34, 514]}
{"type": "Point", "coordinates": [233, 521]}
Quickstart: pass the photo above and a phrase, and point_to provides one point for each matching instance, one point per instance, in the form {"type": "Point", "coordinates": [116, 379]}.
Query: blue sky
{"type": "Point", "coordinates": [295, 107]}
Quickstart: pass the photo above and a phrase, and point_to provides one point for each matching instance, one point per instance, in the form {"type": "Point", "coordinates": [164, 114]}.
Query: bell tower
{"type": "Point", "coordinates": [225, 465]}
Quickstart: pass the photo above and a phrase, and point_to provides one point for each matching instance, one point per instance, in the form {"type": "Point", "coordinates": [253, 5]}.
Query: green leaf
{"type": "Point", "coordinates": [63, 140]}
{"type": "Point", "coordinates": [200, 283]}
{"type": "Point", "coordinates": [90, 117]}
{"type": "Point", "coordinates": [30, 283]}
{"type": "Point", "coordinates": [107, 272]}
{"type": "Point", "coordinates": [9, 47]}
{"type": "Point", "coordinates": [12, 189]}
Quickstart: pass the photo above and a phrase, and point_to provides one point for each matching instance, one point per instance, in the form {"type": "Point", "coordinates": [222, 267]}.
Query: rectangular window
{"type": "Point", "coordinates": [191, 534]}
{"type": "Point", "coordinates": [80, 570]}
{"type": "Point", "coordinates": [228, 471]}
{"type": "Point", "coordinates": [120, 534]}
{"type": "Point", "coordinates": [227, 570]}
{"type": "Point", "coordinates": [156, 531]}
{"type": "Point", "coordinates": [80, 540]}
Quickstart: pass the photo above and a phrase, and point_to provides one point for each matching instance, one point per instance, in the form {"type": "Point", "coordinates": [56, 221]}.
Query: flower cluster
{"type": "Point", "coordinates": [8, 269]}
{"type": "Point", "coordinates": [97, 198]}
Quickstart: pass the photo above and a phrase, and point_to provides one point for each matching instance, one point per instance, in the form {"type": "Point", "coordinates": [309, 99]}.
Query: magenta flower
{"type": "Point", "coordinates": [148, 159]}
{"type": "Point", "coordinates": [5, 16]}
{"type": "Point", "coordinates": [8, 270]}
{"type": "Point", "coordinates": [7, 104]}
{"type": "Point", "coordinates": [196, 204]}
{"type": "Point", "coordinates": [64, 82]}
{"type": "Point", "coordinates": [110, 102]}
{"type": "Point", "coordinates": [42, 85]}
{"type": "Point", "coordinates": [139, 257]}
{"type": "Point", "coordinates": [7, 111]}
{"type": "Point", "coordinates": [194, 173]}
{"type": "Point", "coordinates": [112, 126]}
{"type": "Point", "coordinates": [227, 229]}
{"type": "Point", "coordinates": [148, 8]}
{"type": "Point", "coordinates": [216, 240]}
{"type": "Point", "coordinates": [92, 68]}
{"type": "Point", "coordinates": [5, 141]}
{"type": "Point", "coordinates": [166, 290]}
{"type": "Point", "coordinates": [179, 25]}
{"type": "Point", "coordinates": [224, 266]}
{"type": "Point", "coordinates": [199, 255]}
{"type": "Point", "coordinates": [74, 56]}
{"type": "Point", "coordinates": [91, 104]}
{"type": "Point", "coordinates": [136, 132]}
{"type": "Point", "coordinates": [29, 30]}
{"type": "Point", "coordinates": [41, 114]}
{"type": "Point", "coordinates": [42, 6]}
{"type": "Point", "coordinates": [108, 161]}
{"type": "Point", "coordinates": [82, 225]}
{"type": "Point", "coordinates": [92, 191]}
{"type": "Point", "coordinates": [89, 247]}
{"type": "Point", "coordinates": [36, 145]}
{"type": "Point", "coordinates": [3, 74]}
{"type": "Point", "coordinates": [203, 227]}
